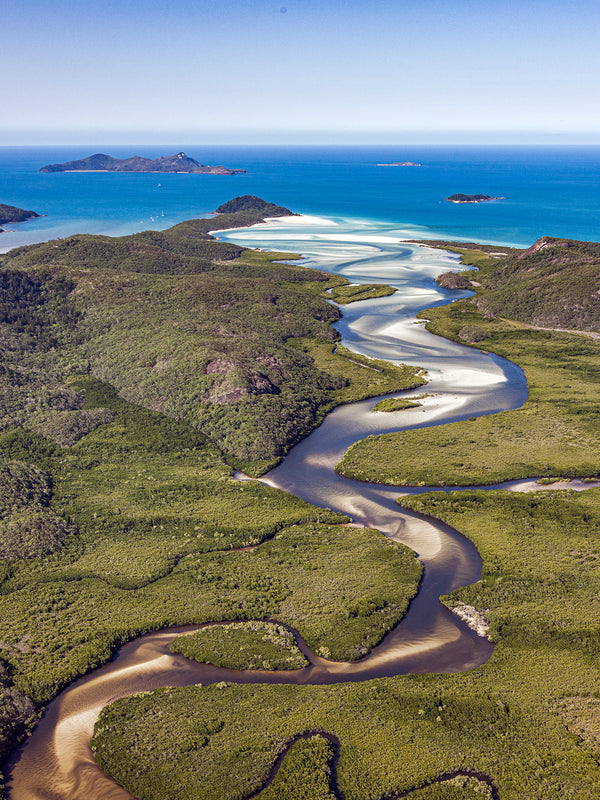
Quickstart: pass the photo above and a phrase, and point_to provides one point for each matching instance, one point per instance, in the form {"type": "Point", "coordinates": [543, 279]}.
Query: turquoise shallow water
{"type": "Point", "coordinates": [369, 208]}
{"type": "Point", "coordinates": [548, 190]}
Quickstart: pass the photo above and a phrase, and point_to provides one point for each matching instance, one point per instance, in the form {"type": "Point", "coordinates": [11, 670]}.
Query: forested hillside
{"type": "Point", "coordinates": [555, 283]}
{"type": "Point", "coordinates": [177, 322]}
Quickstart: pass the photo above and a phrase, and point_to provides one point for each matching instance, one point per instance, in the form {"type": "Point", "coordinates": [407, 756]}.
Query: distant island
{"type": "Point", "coordinates": [100, 162]}
{"type": "Point", "coordinates": [14, 214]}
{"type": "Point", "coordinates": [401, 164]}
{"type": "Point", "coordinates": [471, 198]}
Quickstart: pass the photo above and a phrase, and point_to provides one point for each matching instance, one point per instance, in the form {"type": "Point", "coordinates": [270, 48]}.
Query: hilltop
{"type": "Point", "coordinates": [250, 203]}
{"type": "Point", "coordinates": [555, 283]}
{"type": "Point", "coordinates": [100, 162]}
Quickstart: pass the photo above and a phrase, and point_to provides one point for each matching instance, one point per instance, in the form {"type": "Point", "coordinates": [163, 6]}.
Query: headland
{"type": "Point", "coordinates": [14, 214]}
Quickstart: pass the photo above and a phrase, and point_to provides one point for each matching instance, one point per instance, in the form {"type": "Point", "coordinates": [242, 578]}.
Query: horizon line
{"type": "Point", "coordinates": [191, 143]}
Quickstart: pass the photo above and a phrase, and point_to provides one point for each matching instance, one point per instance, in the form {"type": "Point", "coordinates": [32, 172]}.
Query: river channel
{"type": "Point", "coordinates": [56, 762]}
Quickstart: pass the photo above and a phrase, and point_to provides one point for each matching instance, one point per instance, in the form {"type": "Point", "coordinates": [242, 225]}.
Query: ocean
{"type": "Point", "coordinates": [546, 190]}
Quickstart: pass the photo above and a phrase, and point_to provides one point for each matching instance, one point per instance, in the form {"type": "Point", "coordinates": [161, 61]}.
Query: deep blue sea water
{"type": "Point", "coordinates": [548, 190]}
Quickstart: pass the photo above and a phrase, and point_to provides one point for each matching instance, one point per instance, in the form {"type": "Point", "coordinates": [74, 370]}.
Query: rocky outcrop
{"type": "Point", "coordinates": [471, 198]}
{"type": "Point", "coordinates": [544, 243]}
{"type": "Point", "coordinates": [238, 383]}
{"type": "Point", "coordinates": [453, 280]}
{"type": "Point", "coordinates": [476, 620]}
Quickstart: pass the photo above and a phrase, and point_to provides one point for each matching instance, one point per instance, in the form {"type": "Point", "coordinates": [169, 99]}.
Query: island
{"type": "Point", "coordinates": [14, 214]}
{"type": "Point", "coordinates": [251, 204]}
{"type": "Point", "coordinates": [100, 162]}
{"type": "Point", "coordinates": [471, 198]}
{"type": "Point", "coordinates": [401, 164]}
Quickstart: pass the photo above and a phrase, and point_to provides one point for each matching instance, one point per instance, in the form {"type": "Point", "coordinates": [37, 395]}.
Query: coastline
{"type": "Point", "coordinates": [340, 181]}
{"type": "Point", "coordinates": [431, 549]}
{"type": "Point", "coordinates": [432, 552]}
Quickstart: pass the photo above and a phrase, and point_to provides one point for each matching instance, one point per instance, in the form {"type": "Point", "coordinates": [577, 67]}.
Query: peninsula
{"type": "Point", "coordinates": [14, 214]}
{"type": "Point", "coordinates": [471, 198]}
{"type": "Point", "coordinates": [100, 162]}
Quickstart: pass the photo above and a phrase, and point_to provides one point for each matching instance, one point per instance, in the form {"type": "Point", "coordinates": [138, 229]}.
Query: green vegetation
{"type": "Point", "coordinates": [304, 772]}
{"type": "Point", "coordinates": [158, 521]}
{"type": "Point", "coordinates": [541, 556]}
{"type": "Point", "coordinates": [120, 517]}
{"type": "Point", "coordinates": [242, 645]}
{"type": "Point", "coordinates": [396, 404]}
{"type": "Point", "coordinates": [17, 714]}
{"type": "Point", "coordinates": [155, 532]}
{"type": "Point", "coordinates": [459, 787]}
{"type": "Point", "coordinates": [556, 432]}
{"type": "Point", "coordinates": [179, 323]}
{"type": "Point", "coordinates": [395, 734]}
{"type": "Point", "coordinates": [14, 214]}
{"type": "Point", "coordinates": [155, 526]}
{"type": "Point", "coordinates": [471, 254]}
{"type": "Point", "coordinates": [516, 719]}
{"type": "Point", "coordinates": [251, 203]}
{"type": "Point", "coordinates": [362, 291]}
{"type": "Point", "coordinates": [527, 719]}
{"type": "Point", "coordinates": [359, 377]}
{"type": "Point", "coordinates": [552, 284]}
{"type": "Point", "coordinates": [28, 526]}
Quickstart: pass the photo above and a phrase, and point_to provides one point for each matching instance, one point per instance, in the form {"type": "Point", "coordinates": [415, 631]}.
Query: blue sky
{"type": "Point", "coordinates": [296, 71]}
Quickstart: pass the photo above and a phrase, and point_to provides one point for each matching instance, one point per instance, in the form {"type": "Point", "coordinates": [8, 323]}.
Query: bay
{"type": "Point", "coordinates": [548, 190]}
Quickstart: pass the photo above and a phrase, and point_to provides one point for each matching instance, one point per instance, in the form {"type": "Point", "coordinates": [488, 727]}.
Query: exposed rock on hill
{"type": "Point", "coordinates": [453, 280]}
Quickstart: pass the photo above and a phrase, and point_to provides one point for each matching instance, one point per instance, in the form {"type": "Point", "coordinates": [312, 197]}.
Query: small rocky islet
{"type": "Point", "coordinates": [471, 198]}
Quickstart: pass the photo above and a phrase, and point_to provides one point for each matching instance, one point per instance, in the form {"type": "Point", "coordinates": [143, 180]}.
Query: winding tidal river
{"type": "Point", "coordinates": [56, 762]}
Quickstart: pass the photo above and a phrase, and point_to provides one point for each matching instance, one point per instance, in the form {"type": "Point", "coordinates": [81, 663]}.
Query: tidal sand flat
{"type": "Point", "coordinates": [430, 638]}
